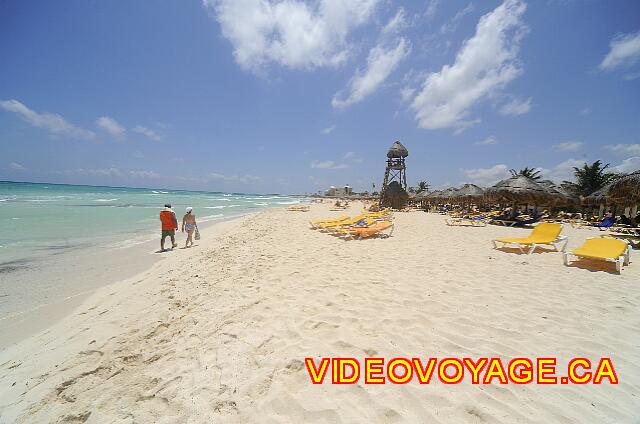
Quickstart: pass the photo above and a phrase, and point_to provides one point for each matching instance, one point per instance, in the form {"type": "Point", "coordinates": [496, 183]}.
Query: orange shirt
{"type": "Point", "coordinates": [168, 222]}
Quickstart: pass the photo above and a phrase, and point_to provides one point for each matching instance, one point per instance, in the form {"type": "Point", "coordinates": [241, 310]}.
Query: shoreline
{"type": "Point", "coordinates": [92, 270]}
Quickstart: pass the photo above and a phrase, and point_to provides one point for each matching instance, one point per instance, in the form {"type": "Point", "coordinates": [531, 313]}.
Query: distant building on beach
{"type": "Point", "coordinates": [339, 191]}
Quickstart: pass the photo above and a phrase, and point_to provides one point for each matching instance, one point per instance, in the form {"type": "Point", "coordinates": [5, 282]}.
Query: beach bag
{"type": "Point", "coordinates": [197, 235]}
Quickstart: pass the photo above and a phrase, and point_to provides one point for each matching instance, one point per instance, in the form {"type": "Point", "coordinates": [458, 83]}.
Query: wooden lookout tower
{"type": "Point", "coordinates": [394, 187]}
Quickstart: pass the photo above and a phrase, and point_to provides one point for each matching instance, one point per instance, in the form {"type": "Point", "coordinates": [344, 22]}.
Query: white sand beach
{"type": "Point", "coordinates": [219, 333]}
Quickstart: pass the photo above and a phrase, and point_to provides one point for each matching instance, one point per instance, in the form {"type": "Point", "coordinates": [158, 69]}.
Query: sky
{"type": "Point", "coordinates": [292, 96]}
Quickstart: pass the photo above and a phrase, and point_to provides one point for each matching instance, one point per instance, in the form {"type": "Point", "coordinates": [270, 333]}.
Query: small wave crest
{"type": "Point", "coordinates": [211, 217]}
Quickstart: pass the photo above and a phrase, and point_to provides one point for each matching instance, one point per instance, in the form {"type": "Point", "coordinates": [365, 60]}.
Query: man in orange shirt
{"type": "Point", "coordinates": [169, 226]}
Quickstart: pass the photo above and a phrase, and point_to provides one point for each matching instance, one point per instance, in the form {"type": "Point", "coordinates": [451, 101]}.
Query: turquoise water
{"type": "Point", "coordinates": [42, 219]}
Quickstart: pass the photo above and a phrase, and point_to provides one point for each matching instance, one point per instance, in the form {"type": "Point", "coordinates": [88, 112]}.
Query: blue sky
{"type": "Point", "coordinates": [292, 96]}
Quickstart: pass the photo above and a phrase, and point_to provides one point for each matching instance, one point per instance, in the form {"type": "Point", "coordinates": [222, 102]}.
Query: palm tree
{"type": "Point", "coordinates": [532, 173]}
{"type": "Point", "coordinates": [590, 178]}
{"type": "Point", "coordinates": [422, 186]}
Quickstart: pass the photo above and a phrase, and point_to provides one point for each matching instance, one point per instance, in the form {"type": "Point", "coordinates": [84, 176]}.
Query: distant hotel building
{"type": "Point", "coordinates": [338, 191]}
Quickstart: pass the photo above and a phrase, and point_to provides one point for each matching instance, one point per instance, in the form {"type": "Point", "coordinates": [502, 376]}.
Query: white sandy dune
{"type": "Point", "coordinates": [219, 333]}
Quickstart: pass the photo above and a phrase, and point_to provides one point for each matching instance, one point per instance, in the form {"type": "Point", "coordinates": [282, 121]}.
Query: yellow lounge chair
{"type": "Point", "coordinates": [376, 228]}
{"type": "Point", "coordinates": [363, 223]}
{"type": "Point", "coordinates": [606, 249]}
{"type": "Point", "coordinates": [466, 222]}
{"type": "Point", "coordinates": [544, 233]}
{"type": "Point", "coordinates": [332, 225]}
{"type": "Point", "coordinates": [316, 224]}
{"type": "Point", "coordinates": [350, 221]}
{"type": "Point", "coordinates": [632, 239]}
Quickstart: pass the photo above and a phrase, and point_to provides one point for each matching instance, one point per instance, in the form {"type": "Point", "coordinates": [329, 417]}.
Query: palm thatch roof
{"type": "Point", "coordinates": [445, 195]}
{"type": "Point", "coordinates": [397, 150]}
{"type": "Point", "coordinates": [626, 190]}
{"type": "Point", "coordinates": [468, 192]}
{"type": "Point", "coordinates": [598, 197]}
{"type": "Point", "coordinates": [520, 189]}
{"type": "Point", "coordinates": [433, 194]}
{"type": "Point", "coordinates": [560, 195]}
{"type": "Point", "coordinates": [449, 192]}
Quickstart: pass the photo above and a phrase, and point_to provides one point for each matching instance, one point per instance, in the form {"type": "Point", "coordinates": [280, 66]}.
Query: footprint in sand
{"type": "Point", "coordinates": [293, 366]}
{"type": "Point", "coordinates": [161, 327]}
{"type": "Point", "coordinates": [77, 418]}
{"type": "Point", "coordinates": [226, 407]}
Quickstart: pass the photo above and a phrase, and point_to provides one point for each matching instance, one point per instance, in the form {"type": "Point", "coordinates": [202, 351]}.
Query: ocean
{"type": "Point", "coordinates": [59, 243]}
{"type": "Point", "coordinates": [40, 219]}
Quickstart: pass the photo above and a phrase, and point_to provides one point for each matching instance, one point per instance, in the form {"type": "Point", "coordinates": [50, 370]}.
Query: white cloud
{"type": "Point", "coordinates": [516, 107]}
{"type": "Point", "coordinates": [292, 33]}
{"type": "Point", "coordinates": [105, 172]}
{"type": "Point", "coordinates": [395, 24]}
{"type": "Point", "coordinates": [111, 126]}
{"type": "Point", "coordinates": [624, 149]}
{"type": "Point", "coordinates": [486, 176]}
{"type": "Point", "coordinates": [628, 165]}
{"type": "Point", "coordinates": [569, 146]}
{"type": "Point", "coordinates": [432, 8]}
{"type": "Point", "coordinates": [485, 64]}
{"type": "Point", "coordinates": [462, 126]}
{"type": "Point", "coordinates": [328, 130]}
{"type": "Point", "coordinates": [407, 93]}
{"type": "Point", "coordinates": [453, 24]}
{"type": "Point", "coordinates": [351, 156]}
{"type": "Point", "coordinates": [563, 171]}
{"type": "Point", "coordinates": [114, 172]}
{"type": "Point", "coordinates": [585, 111]}
{"type": "Point", "coordinates": [149, 133]}
{"type": "Point", "coordinates": [327, 164]}
{"type": "Point", "coordinates": [55, 124]}
{"type": "Point", "coordinates": [144, 174]}
{"type": "Point", "coordinates": [14, 166]}
{"type": "Point", "coordinates": [380, 64]}
{"type": "Point", "coordinates": [244, 179]}
{"type": "Point", "coordinates": [632, 76]}
{"type": "Point", "coordinates": [625, 51]}
{"type": "Point", "coordinates": [487, 141]}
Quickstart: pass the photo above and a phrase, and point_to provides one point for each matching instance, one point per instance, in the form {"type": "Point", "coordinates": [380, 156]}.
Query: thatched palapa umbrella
{"type": "Point", "coordinates": [432, 195]}
{"type": "Point", "coordinates": [423, 198]}
{"type": "Point", "coordinates": [626, 190]}
{"type": "Point", "coordinates": [445, 195]}
{"type": "Point", "coordinates": [598, 197]}
{"type": "Point", "coordinates": [519, 189]}
{"type": "Point", "coordinates": [397, 150]}
{"type": "Point", "coordinates": [559, 194]}
{"type": "Point", "coordinates": [468, 193]}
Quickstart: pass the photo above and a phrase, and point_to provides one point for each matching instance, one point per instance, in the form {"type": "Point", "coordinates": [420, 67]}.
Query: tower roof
{"type": "Point", "coordinates": [397, 150]}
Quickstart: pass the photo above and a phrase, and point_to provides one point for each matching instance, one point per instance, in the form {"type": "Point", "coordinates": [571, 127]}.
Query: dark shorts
{"type": "Point", "coordinates": [169, 233]}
